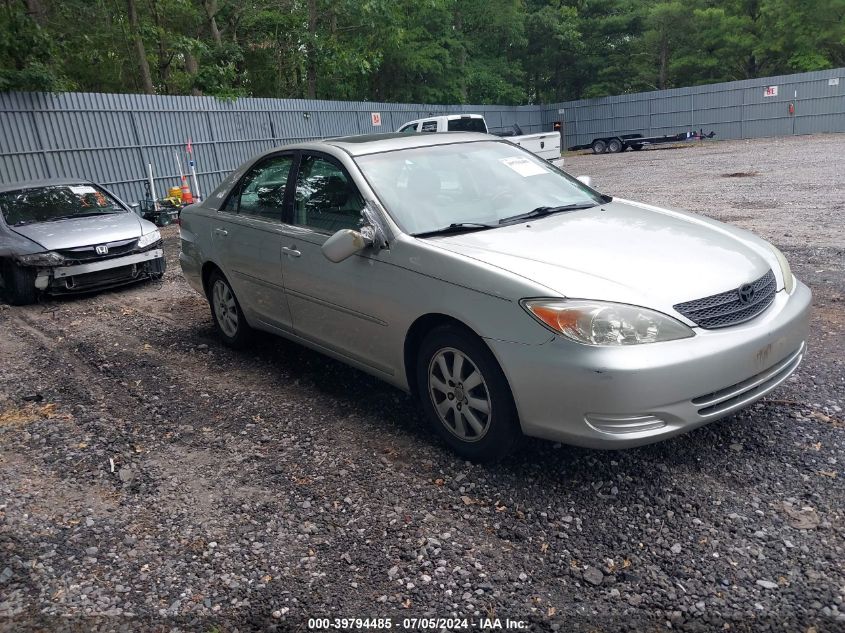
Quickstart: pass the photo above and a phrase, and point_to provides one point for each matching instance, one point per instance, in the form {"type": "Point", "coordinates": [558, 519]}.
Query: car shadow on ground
{"type": "Point", "coordinates": [713, 450]}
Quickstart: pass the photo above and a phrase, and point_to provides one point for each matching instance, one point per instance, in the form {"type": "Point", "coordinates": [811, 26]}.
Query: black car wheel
{"type": "Point", "coordinates": [19, 284]}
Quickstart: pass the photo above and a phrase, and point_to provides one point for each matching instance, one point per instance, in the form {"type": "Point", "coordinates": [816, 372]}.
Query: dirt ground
{"type": "Point", "coordinates": [152, 479]}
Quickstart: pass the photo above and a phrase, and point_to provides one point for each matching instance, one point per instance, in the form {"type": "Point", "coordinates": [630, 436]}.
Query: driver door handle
{"type": "Point", "coordinates": [291, 251]}
{"type": "Point", "coordinates": [222, 232]}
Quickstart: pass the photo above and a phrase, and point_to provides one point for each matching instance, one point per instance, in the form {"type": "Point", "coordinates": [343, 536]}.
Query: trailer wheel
{"type": "Point", "coordinates": [599, 146]}
{"type": "Point", "coordinates": [614, 146]}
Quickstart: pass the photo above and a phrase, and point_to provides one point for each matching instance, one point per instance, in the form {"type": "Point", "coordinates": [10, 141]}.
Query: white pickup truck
{"type": "Point", "coordinates": [544, 144]}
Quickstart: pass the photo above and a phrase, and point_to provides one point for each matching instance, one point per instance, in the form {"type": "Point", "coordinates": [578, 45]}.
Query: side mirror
{"type": "Point", "coordinates": [586, 180]}
{"type": "Point", "coordinates": [344, 244]}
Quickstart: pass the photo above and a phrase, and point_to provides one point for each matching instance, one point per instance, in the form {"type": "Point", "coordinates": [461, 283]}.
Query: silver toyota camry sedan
{"type": "Point", "coordinates": [509, 297]}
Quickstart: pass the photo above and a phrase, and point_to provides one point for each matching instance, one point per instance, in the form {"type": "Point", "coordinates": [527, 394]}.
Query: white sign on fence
{"type": "Point", "coordinates": [833, 81]}
{"type": "Point", "coordinates": [770, 91]}
{"type": "Point", "coordinates": [376, 117]}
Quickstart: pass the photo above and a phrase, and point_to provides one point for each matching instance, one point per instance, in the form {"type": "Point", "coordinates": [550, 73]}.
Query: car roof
{"type": "Point", "coordinates": [46, 182]}
{"type": "Point", "coordinates": [377, 143]}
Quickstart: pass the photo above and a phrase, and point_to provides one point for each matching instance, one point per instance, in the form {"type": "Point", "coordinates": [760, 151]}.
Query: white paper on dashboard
{"type": "Point", "coordinates": [523, 166]}
{"type": "Point", "coordinates": [82, 189]}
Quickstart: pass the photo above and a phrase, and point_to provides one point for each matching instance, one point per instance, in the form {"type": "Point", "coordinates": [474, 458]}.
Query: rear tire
{"type": "Point", "coordinates": [19, 284]}
{"type": "Point", "coordinates": [614, 146]}
{"type": "Point", "coordinates": [466, 396]}
{"type": "Point", "coordinates": [226, 312]}
{"type": "Point", "coordinates": [599, 147]}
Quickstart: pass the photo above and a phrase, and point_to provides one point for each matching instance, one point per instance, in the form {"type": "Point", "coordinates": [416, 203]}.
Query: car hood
{"type": "Point", "coordinates": [623, 251]}
{"type": "Point", "coordinates": [74, 232]}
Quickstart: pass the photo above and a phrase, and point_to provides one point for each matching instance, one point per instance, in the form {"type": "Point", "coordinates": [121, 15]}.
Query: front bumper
{"type": "Point", "coordinates": [604, 397]}
{"type": "Point", "coordinates": [106, 273]}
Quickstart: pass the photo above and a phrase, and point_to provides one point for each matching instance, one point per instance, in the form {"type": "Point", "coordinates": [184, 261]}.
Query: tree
{"type": "Point", "coordinates": [140, 49]}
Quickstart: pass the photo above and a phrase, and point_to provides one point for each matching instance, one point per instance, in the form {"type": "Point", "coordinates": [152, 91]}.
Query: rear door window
{"type": "Point", "coordinates": [468, 124]}
{"type": "Point", "coordinates": [262, 191]}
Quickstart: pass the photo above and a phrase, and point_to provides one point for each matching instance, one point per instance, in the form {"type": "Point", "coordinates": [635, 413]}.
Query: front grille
{"type": "Point", "coordinates": [89, 253]}
{"type": "Point", "coordinates": [750, 389]}
{"type": "Point", "coordinates": [726, 308]}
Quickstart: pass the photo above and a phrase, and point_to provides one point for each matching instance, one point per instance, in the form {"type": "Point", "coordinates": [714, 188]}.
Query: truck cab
{"type": "Point", "coordinates": [546, 145]}
{"type": "Point", "coordinates": [447, 123]}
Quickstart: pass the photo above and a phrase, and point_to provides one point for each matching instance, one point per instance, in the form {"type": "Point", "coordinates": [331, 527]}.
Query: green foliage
{"type": "Point", "coordinates": [26, 52]}
{"type": "Point", "coordinates": [431, 51]}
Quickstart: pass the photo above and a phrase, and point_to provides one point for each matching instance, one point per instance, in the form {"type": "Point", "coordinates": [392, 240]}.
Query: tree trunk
{"type": "Point", "coordinates": [211, 11]}
{"type": "Point", "coordinates": [462, 55]}
{"type": "Point", "coordinates": [36, 9]}
{"type": "Point", "coordinates": [192, 67]}
{"type": "Point", "coordinates": [140, 51]}
{"type": "Point", "coordinates": [664, 62]}
{"type": "Point", "coordinates": [311, 69]}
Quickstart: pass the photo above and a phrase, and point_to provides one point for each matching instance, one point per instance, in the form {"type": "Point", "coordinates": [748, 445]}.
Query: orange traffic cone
{"type": "Point", "coordinates": [187, 196]}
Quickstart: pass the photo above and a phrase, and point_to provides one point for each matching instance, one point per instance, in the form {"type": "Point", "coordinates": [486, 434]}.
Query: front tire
{"type": "Point", "coordinates": [466, 396]}
{"type": "Point", "coordinates": [19, 284]}
{"type": "Point", "coordinates": [599, 147]}
{"type": "Point", "coordinates": [226, 312]}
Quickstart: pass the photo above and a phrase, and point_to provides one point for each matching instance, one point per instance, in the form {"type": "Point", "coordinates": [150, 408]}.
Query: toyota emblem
{"type": "Point", "coordinates": [746, 294]}
{"type": "Point", "coordinates": [102, 250]}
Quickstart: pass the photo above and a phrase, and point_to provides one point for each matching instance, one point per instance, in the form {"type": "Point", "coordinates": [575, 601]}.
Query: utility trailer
{"type": "Point", "coordinates": [616, 144]}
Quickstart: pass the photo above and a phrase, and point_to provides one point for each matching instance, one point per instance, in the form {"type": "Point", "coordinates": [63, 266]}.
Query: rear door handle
{"type": "Point", "coordinates": [291, 251]}
{"type": "Point", "coordinates": [222, 232]}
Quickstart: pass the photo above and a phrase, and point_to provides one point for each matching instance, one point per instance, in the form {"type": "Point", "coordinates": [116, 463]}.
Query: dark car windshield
{"type": "Point", "coordinates": [56, 202]}
{"type": "Point", "coordinates": [485, 182]}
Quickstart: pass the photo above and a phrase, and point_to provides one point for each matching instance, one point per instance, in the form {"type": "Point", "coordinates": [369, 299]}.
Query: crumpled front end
{"type": "Point", "coordinates": [86, 268]}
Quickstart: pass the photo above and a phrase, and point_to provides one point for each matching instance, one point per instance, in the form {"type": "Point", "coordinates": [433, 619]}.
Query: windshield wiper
{"type": "Point", "coordinates": [88, 214]}
{"type": "Point", "coordinates": [457, 227]}
{"type": "Point", "coordinates": [540, 212]}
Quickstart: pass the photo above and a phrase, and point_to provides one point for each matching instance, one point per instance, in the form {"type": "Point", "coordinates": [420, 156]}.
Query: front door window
{"type": "Point", "coordinates": [326, 199]}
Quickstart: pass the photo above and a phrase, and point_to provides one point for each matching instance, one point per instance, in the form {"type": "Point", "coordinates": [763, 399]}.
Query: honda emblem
{"type": "Point", "coordinates": [102, 249]}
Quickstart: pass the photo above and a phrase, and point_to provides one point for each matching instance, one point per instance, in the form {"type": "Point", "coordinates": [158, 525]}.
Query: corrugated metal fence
{"type": "Point", "coordinates": [110, 138]}
{"type": "Point", "coordinates": [740, 109]}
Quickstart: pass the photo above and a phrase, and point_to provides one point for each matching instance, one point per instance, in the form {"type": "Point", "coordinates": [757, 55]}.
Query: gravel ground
{"type": "Point", "coordinates": [151, 479]}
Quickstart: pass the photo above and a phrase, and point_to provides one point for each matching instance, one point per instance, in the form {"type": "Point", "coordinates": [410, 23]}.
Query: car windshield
{"type": "Point", "coordinates": [487, 182]}
{"type": "Point", "coordinates": [56, 202]}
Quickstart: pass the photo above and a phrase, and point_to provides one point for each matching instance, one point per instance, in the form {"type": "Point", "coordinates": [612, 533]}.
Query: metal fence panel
{"type": "Point", "coordinates": [110, 138]}
{"type": "Point", "coordinates": [741, 109]}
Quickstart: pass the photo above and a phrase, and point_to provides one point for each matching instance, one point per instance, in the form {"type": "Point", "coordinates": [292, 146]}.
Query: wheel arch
{"type": "Point", "coordinates": [208, 268]}
{"type": "Point", "coordinates": [417, 332]}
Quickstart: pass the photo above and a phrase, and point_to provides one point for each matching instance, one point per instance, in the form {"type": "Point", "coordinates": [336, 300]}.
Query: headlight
{"type": "Point", "coordinates": [788, 279]}
{"type": "Point", "coordinates": [149, 238]}
{"type": "Point", "coordinates": [603, 323]}
{"type": "Point", "coordinates": [48, 258]}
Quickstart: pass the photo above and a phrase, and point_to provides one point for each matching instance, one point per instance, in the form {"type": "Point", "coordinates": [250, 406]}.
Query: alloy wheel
{"type": "Point", "coordinates": [459, 394]}
{"type": "Point", "coordinates": [225, 308]}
